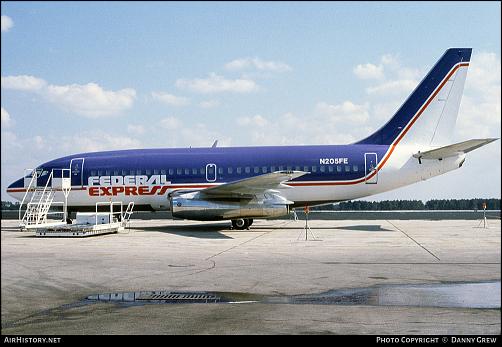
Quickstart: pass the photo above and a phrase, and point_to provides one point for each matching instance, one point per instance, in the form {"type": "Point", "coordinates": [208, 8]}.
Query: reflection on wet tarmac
{"type": "Point", "coordinates": [466, 295]}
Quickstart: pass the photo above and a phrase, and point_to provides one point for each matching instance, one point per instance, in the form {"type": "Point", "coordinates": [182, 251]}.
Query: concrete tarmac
{"type": "Point", "coordinates": [45, 279]}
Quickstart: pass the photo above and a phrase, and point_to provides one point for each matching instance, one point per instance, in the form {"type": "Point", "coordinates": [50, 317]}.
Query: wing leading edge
{"type": "Point", "coordinates": [253, 185]}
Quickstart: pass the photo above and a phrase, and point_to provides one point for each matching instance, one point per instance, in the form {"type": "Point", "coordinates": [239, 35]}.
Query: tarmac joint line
{"type": "Point", "coordinates": [242, 243]}
{"type": "Point", "coordinates": [412, 239]}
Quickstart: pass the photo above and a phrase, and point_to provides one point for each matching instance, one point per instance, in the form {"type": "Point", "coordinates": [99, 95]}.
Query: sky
{"type": "Point", "coordinates": [92, 76]}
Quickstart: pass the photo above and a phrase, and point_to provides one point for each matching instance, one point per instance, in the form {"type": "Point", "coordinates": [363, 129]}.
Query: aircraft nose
{"type": "Point", "coordinates": [16, 184]}
{"type": "Point", "coordinates": [15, 187]}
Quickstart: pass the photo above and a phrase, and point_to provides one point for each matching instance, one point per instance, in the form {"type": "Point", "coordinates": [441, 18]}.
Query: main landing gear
{"type": "Point", "coordinates": [241, 223]}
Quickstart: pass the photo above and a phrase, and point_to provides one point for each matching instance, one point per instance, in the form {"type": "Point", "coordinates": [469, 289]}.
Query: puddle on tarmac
{"type": "Point", "coordinates": [448, 295]}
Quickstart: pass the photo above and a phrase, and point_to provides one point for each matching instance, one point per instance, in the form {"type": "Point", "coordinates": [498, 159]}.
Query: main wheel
{"type": "Point", "coordinates": [240, 224]}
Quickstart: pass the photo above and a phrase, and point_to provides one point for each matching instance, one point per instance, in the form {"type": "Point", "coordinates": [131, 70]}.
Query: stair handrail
{"type": "Point", "coordinates": [128, 212]}
{"type": "Point", "coordinates": [34, 176]}
{"type": "Point", "coordinates": [49, 179]}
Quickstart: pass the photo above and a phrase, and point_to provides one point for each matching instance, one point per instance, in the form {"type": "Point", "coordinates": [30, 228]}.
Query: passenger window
{"type": "Point", "coordinates": [355, 168]}
{"type": "Point", "coordinates": [178, 171]}
{"type": "Point", "coordinates": [247, 169]}
{"type": "Point", "coordinates": [124, 172]}
{"type": "Point", "coordinates": [297, 168]}
{"type": "Point", "coordinates": [93, 172]}
{"type": "Point", "coordinates": [239, 170]}
{"type": "Point", "coordinates": [264, 169]}
{"type": "Point", "coordinates": [194, 172]}
{"type": "Point", "coordinates": [314, 168]}
{"type": "Point", "coordinates": [148, 172]}
{"type": "Point", "coordinates": [220, 170]}
{"type": "Point", "coordinates": [187, 171]}
{"type": "Point", "coordinates": [162, 172]}
{"type": "Point", "coordinates": [272, 169]}
{"type": "Point", "coordinates": [100, 172]}
{"type": "Point", "coordinates": [306, 168]}
{"type": "Point", "coordinates": [171, 172]}
{"type": "Point", "coordinates": [115, 172]}
{"type": "Point", "coordinates": [256, 169]}
{"type": "Point", "coordinates": [289, 168]}
{"type": "Point", "coordinates": [338, 168]}
{"type": "Point", "coordinates": [210, 170]}
{"type": "Point", "coordinates": [107, 172]}
{"type": "Point", "coordinates": [281, 168]}
{"type": "Point", "coordinates": [138, 172]}
{"type": "Point", "coordinates": [202, 170]}
{"type": "Point", "coordinates": [347, 168]}
{"type": "Point", "coordinates": [323, 169]}
{"type": "Point", "coordinates": [155, 172]}
{"type": "Point", "coordinates": [230, 170]}
{"type": "Point", "coordinates": [330, 168]}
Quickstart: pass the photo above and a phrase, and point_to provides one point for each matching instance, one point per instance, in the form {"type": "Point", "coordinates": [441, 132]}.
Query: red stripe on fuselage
{"type": "Point", "coordinates": [22, 190]}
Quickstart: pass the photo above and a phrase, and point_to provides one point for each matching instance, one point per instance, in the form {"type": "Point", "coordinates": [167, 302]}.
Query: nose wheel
{"type": "Point", "coordinates": [241, 223]}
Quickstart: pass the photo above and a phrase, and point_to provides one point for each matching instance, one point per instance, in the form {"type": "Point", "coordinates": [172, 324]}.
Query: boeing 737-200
{"type": "Point", "coordinates": [242, 183]}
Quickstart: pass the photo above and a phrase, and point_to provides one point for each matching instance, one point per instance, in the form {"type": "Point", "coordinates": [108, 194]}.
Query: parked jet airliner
{"type": "Point", "coordinates": [242, 183]}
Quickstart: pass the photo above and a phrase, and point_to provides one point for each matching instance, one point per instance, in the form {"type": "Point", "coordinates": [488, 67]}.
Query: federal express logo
{"type": "Point", "coordinates": [127, 185]}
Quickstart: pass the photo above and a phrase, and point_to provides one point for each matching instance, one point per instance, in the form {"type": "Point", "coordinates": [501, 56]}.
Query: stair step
{"type": "Point", "coordinates": [38, 207]}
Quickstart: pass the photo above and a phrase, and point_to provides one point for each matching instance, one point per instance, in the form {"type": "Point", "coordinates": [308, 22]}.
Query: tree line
{"type": "Point", "coordinates": [385, 205]}
{"type": "Point", "coordinates": [392, 205]}
{"type": "Point", "coordinates": [434, 204]}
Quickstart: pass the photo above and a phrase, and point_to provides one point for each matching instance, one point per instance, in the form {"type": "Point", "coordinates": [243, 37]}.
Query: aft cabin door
{"type": "Point", "coordinates": [76, 172]}
{"type": "Point", "coordinates": [211, 172]}
{"type": "Point", "coordinates": [370, 165]}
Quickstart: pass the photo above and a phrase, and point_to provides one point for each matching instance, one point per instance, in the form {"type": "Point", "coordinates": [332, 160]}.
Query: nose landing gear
{"type": "Point", "coordinates": [241, 223]}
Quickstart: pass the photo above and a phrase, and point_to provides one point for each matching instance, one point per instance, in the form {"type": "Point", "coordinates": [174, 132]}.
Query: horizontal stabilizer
{"type": "Point", "coordinates": [453, 150]}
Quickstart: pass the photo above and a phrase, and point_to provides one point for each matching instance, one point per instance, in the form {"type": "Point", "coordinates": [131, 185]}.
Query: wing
{"type": "Point", "coordinates": [452, 150]}
{"type": "Point", "coordinates": [248, 187]}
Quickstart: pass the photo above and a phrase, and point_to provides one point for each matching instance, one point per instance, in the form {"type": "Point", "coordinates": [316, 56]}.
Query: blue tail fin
{"type": "Point", "coordinates": [435, 101]}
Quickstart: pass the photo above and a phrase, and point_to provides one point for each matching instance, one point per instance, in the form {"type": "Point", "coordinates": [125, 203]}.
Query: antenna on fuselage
{"type": "Point", "coordinates": [215, 144]}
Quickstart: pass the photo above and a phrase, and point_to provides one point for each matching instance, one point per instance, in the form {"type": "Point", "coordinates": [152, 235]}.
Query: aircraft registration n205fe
{"type": "Point", "coordinates": [242, 183]}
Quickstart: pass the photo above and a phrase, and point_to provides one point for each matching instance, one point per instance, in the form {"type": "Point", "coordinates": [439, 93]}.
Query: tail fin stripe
{"type": "Point", "coordinates": [421, 95]}
{"type": "Point", "coordinates": [422, 109]}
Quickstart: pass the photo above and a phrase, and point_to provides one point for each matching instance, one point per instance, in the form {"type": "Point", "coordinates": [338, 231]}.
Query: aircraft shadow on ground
{"type": "Point", "coordinates": [371, 227]}
{"type": "Point", "coordinates": [364, 227]}
{"type": "Point", "coordinates": [201, 231]}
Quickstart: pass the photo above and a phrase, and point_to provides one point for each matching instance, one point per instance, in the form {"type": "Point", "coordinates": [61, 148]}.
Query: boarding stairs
{"type": "Point", "coordinates": [40, 199]}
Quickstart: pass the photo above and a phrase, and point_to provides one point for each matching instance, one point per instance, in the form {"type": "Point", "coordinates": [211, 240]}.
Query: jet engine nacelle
{"type": "Point", "coordinates": [193, 205]}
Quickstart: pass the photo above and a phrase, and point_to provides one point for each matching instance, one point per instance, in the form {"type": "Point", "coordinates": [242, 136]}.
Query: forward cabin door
{"type": "Point", "coordinates": [370, 165]}
{"type": "Point", "coordinates": [211, 172]}
{"type": "Point", "coordinates": [77, 172]}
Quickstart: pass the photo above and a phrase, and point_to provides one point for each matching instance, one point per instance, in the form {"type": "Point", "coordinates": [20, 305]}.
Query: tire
{"type": "Point", "coordinates": [250, 222]}
{"type": "Point", "coordinates": [240, 224]}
